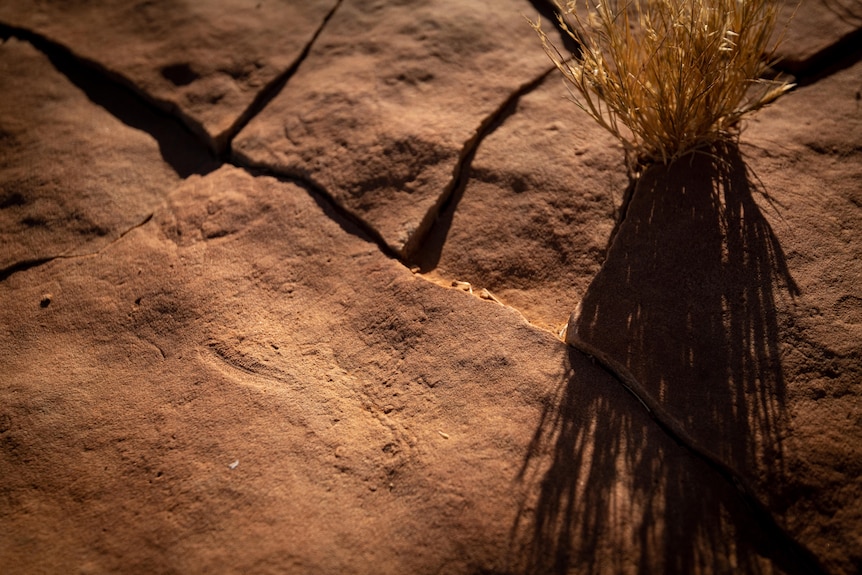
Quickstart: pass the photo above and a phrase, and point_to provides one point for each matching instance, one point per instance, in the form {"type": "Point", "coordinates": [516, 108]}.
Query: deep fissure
{"type": "Point", "coordinates": [180, 146]}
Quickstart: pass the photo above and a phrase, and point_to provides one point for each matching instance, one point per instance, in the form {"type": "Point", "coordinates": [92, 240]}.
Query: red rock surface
{"type": "Point", "coordinates": [232, 371]}
{"type": "Point", "coordinates": [548, 182]}
{"type": "Point", "coordinates": [204, 61]}
{"type": "Point", "coordinates": [76, 182]}
{"type": "Point", "coordinates": [243, 384]}
{"type": "Point", "coordinates": [391, 98]}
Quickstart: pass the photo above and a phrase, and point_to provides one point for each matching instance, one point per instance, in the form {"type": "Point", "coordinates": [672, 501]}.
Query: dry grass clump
{"type": "Point", "coordinates": [667, 76]}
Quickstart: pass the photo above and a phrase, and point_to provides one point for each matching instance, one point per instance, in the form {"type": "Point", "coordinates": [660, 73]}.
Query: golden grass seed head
{"type": "Point", "coordinates": [676, 74]}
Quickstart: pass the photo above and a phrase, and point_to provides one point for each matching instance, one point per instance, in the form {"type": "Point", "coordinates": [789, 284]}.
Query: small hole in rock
{"type": "Point", "coordinates": [179, 74]}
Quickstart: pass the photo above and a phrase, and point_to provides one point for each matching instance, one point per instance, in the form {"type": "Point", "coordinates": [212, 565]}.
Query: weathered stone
{"type": "Point", "coordinates": [73, 177]}
{"type": "Point", "coordinates": [808, 153]}
{"type": "Point", "coordinates": [537, 211]}
{"type": "Point", "coordinates": [732, 291]}
{"type": "Point", "coordinates": [242, 384]}
{"type": "Point", "coordinates": [815, 34]}
{"type": "Point", "coordinates": [389, 99]}
{"type": "Point", "coordinates": [205, 61]}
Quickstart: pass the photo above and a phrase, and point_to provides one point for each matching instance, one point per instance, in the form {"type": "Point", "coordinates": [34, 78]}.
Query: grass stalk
{"type": "Point", "coordinates": [666, 77]}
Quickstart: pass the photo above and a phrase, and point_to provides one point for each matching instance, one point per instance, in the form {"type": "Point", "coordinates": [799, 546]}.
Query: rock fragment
{"type": "Point", "coordinates": [533, 221]}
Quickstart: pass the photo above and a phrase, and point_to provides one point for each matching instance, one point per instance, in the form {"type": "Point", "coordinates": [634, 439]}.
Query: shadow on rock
{"type": "Point", "coordinates": [547, 12]}
{"type": "Point", "coordinates": [687, 302]}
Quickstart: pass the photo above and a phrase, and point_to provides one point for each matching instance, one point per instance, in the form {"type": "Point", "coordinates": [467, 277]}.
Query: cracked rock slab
{"type": "Point", "coordinates": [389, 100]}
{"type": "Point", "coordinates": [538, 207]}
{"type": "Point", "coordinates": [732, 291]}
{"type": "Point", "coordinates": [204, 61]}
{"type": "Point", "coordinates": [73, 177]}
{"type": "Point", "coordinates": [244, 384]}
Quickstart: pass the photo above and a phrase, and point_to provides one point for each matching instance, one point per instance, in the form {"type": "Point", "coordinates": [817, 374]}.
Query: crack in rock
{"type": "Point", "coordinates": [347, 220]}
{"type": "Point", "coordinates": [834, 58]}
{"type": "Point", "coordinates": [421, 248]}
{"type": "Point", "coordinates": [180, 148]}
{"type": "Point", "coordinates": [25, 265]}
{"type": "Point", "coordinates": [272, 89]}
{"type": "Point", "coordinates": [204, 63]}
{"type": "Point", "coordinates": [22, 266]}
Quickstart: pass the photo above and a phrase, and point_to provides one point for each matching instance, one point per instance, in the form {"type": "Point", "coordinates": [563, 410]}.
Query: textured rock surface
{"type": "Point", "coordinates": [818, 33]}
{"type": "Point", "coordinates": [808, 153]}
{"type": "Point", "coordinates": [533, 221]}
{"type": "Point", "coordinates": [205, 61]}
{"type": "Point", "coordinates": [246, 382]}
{"type": "Point", "coordinates": [72, 176]}
{"type": "Point", "coordinates": [751, 335]}
{"type": "Point", "coordinates": [243, 385]}
{"type": "Point", "coordinates": [390, 98]}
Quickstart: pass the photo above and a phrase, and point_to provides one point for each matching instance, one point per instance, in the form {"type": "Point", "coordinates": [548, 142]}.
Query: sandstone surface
{"type": "Point", "coordinates": [206, 62]}
{"type": "Point", "coordinates": [391, 99]}
{"type": "Point", "coordinates": [73, 177]}
{"type": "Point", "coordinates": [243, 384]}
{"type": "Point", "coordinates": [531, 222]}
{"type": "Point", "coordinates": [758, 289]}
{"type": "Point", "coordinates": [239, 364]}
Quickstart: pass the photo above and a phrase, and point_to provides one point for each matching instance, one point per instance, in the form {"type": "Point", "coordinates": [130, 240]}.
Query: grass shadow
{"type": "Point", "coordinates": [687, 301]}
